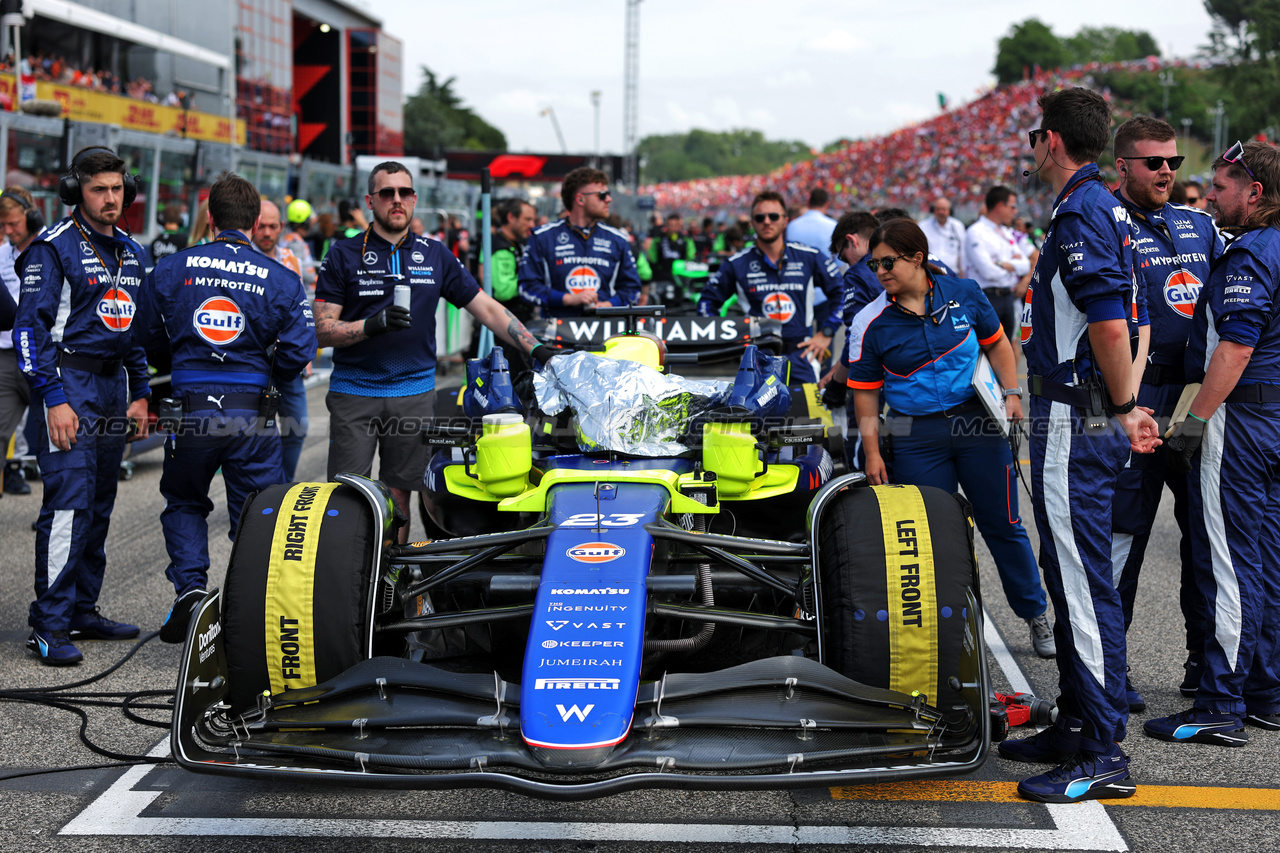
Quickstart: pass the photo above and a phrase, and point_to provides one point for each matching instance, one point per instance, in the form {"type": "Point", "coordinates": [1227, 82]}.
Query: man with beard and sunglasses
{"type": "Point", "coordinates": [88, 377]}
{"type": "Point", "coordinates": [384, 360]}
{"type": "Point", "coordinates": [1084, 423]}
{"type": "Point", "coordinates": [1229, 444]}
{"type": "Point", "coordinates": [1175, 246]}
{"type": "Point", "coordinates": [580, 261]}
{"type": "Point", "coordinates": [780, 280]}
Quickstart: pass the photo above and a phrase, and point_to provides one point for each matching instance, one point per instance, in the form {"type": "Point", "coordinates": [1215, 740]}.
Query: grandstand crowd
{"type": "Point", "coordinates": [959, 154]}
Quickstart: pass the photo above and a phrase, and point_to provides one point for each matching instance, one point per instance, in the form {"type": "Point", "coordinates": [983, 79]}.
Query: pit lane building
{"type": "Point", "coordinates": [286, 92]}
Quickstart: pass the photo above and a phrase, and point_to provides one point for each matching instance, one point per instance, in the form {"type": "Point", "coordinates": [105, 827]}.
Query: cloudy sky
{"type": "Point", "coordinates": [814, 70]}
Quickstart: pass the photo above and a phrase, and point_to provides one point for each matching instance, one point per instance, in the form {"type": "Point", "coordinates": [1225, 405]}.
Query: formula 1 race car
{"type": "Point", "coordinates": [602, 625]}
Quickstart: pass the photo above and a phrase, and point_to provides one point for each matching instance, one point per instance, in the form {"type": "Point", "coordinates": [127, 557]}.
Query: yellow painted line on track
{"type": "Point", "coordinates": [1151, 796]}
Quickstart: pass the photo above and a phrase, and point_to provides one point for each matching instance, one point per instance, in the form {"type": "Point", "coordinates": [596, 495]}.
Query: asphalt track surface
{"type": "Point", "coordinates": [1190, 797]}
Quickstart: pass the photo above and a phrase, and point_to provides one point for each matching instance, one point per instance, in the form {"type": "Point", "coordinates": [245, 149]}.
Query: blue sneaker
{"type": "Point", "coordinates": [1197, 726]}
{"type": "Point", "coordinates": [1051, 746]}
{"type": "Point", "coordinates": [53, 647]}
{"type": "Point", "coordinates": [1084, 776]}
{"type": "Point", "coordinates": [94, 626]}
{"type": "Point", "coordinates": [174, 629]}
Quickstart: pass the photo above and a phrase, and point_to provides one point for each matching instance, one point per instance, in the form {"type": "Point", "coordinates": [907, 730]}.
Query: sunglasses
{"type": "Point", "coordinates": [602, 194]}
{"type": "Point", "coordinates": [1154, 163]}
{"type": "Point", "coordinates": [1192, 199]}
{"type": "Point", "coordinates": [875, 263]}
{"type": "Point", "coordinates": [391, 193]}
{"type": "Point", "coordinates": [1235, 154]}
{"type": "Point", "coordinates": [772, 217]}
{"type": "Point", "coordinates": [1032, 134]}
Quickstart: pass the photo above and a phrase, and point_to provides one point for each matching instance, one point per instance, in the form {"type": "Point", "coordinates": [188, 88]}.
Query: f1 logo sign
{"type": "Point", "coordinates": [574, 711]}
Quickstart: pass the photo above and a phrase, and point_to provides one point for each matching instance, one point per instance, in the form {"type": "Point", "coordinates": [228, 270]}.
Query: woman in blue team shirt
{"type": "Point", "coordinates": [920, 341]}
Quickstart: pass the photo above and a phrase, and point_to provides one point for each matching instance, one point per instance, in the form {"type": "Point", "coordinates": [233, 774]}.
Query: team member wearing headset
{"type": "Point", "coordinates": [22, 222]}
{"type": "Point", "coordinates": [80, 282]}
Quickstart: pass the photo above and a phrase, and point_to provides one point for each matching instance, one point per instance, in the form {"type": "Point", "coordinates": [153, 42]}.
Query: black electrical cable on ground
{"type": "Point", "coordinates": [74, 703]}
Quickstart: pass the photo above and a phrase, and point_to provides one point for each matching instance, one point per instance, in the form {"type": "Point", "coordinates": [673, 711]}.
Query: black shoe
{"type": "Point", "coordinates": [94, 626]}
{"type": "Point", "coordinates": [14, 482]}
{"type": "Point", "coordinates": [1191, 681]}
{"type": "Point", "coordinates": [1051, 746]}
{"type": "Point", "coordinates": [174, 629]}
{"type": "Point", "coordinates": [1263, 721]}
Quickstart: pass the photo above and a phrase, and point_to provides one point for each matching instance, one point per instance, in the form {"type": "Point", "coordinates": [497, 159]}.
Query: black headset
{"type": "Point", "coordinates": [35, 218]}
{"type": "Point", "coordinates": [69, 184]}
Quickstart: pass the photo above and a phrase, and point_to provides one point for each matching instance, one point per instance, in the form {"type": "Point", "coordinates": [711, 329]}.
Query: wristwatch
{"type": "Point", "coordinates": [1012, 392]}
{"type": "Point", "coordinates": [828, 331]}
{"type": "Point", "coordinates": [1124, 409]}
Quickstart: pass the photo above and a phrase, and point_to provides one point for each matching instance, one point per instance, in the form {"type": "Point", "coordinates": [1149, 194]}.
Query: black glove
{"type": "Point", "coordinates": [389, 319]}
{"type": "Point", "coordinates": [1184, 443]}
{"type": "Point", "coordinates": [543, 353]}
{"type": "Point", "coordinates": [835, 395]}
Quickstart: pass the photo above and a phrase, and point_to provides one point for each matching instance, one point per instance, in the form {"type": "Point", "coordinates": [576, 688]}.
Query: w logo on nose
{"type": "Point", "coordinates": [573, 711]}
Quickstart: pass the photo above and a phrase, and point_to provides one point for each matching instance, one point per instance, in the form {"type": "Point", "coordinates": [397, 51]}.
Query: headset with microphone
{"type": "Point", "coordinates": [69, 190]}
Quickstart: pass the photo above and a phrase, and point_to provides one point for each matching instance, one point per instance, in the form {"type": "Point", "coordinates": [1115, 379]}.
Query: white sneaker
{"type": "Point", "coordinates": [1042, 636]}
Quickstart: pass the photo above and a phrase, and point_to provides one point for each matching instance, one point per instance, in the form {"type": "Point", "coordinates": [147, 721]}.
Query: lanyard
{"type": "Point", "coordinates": [106, 270]}
{"type": "Point", "coordinates": [394, 261]}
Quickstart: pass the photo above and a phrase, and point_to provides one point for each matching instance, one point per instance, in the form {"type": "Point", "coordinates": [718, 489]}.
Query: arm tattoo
{"type": "Point", "coordinates": [519, 335]}
{"type": "Point", "coordinates": [332, 332]}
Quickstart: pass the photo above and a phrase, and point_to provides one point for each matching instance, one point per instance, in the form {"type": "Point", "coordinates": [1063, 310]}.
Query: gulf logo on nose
{"type": "Point", "coordinates": [1181, 290]}
{"type": "Point", "coordinates": [116, 310]}
{"type": "Point", "coordinates": [582, 278]}
{"type": "Point", "coordinates": [779, 306]}
{"type": "Point", "coordinates": [595, 552]}
{"type": "Point", "coordinates": [218, 320]}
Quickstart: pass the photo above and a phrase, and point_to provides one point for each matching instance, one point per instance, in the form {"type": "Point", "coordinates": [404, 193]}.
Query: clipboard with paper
{"type": "Point", "coordinates": [987, 386]}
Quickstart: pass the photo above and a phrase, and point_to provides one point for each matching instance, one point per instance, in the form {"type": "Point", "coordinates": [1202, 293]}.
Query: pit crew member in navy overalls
{"type": "Point", "coordinates": [221, 308]}
{"type": "Point", "coordinates": [88, 376]}
{"type": "Point", "coordinates": [1234, 482]}
{"type": "Point", "coordinates": [1173, 247]}
{"type": "Point", "coordinates": [919, 342]}
{"type": "Point", "coordinates": [384, 360]}
{"type": "Point", "coordinates": [778, 279]}
{"type": "Point", "coordinates": [1082, 312]}
{"type": "Point", "coordinates": [579, 261]}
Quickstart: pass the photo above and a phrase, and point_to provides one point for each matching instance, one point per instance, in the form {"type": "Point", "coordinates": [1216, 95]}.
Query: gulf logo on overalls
{"type": "Point", "coordinates": [595, 552]}
{"type": "Point", "coordinates": [779, 306]}
{"type": "Point", "coordinates": [116, 309]}
{"type": "Point", "coordinates": [1181, 290]}
{"type": "Point", "coordinates": [1024, 331]}
{"type": "Point", "coordinates": [218, 320]}
{"type": "Point", "coordinates": [582, 278]}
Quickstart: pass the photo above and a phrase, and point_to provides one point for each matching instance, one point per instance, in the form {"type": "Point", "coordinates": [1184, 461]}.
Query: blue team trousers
{"type": "Point", "coordinates": [250, 459]}
{"type": "Point", "coordinates": [1235, 548]}
{"type": "Point", "coordinates": [1137, 500]}
{"type": "Point", "coordinates": [1073, 480]}
{"type": "Point", "coordinates": [79, 493]}
{"type": "Point", "coordinates": [970, 450]}
{"type": "Point", "coordinates": [293, 422]}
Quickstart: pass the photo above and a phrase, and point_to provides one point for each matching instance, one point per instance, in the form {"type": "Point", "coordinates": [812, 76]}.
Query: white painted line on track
{"type": "Point", "coordinates": [1081, 826]}
{"type": "Point", "coordinates": [1004, 657]}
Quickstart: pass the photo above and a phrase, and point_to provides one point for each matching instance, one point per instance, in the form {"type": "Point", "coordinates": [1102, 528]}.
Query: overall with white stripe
{"type": "Point", "coordinates": [1174, 247]}
{"type": "Point", "coordinates": [1234, 484]}
{"type": "Point", "coordinates": [75, 343]}
{"type": "Point", "coordinates": [1085, 275]}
